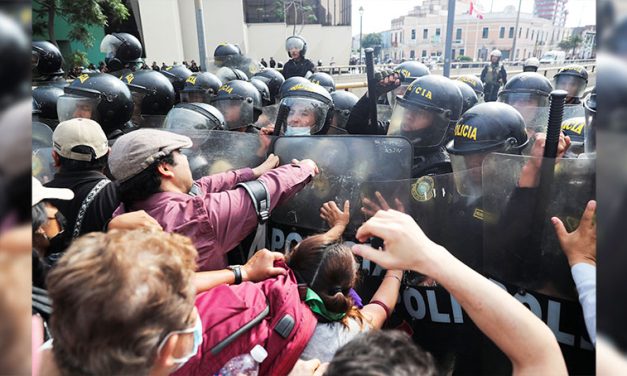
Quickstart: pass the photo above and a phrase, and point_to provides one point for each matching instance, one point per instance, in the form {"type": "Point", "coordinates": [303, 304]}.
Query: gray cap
{"type": "Point", "coordinates": [133, 152]}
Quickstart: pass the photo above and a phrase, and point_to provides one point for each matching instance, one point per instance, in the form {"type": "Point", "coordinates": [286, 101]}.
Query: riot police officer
{"type": "Point", "coordinates": [200, 88]}
{"type": "Point", "coordinates": [431, 104]}
{"type": "Point", "coordinates": [573, 79]}
{"type": "Point", "coordinates": [298, 65]}
{"type": "Point", "coordinates": [263, 91]}
{"type": "Point", "coordinates": [475, 84]}
{"type": "Point", "coordinates": [468, 94]}
{"type": "Point", "coordinates": [225, 53]}
{"type": "Point", "coordinates": [122, 51]}
{"type": "Point", "coordinates": [47, 63]}
{"type": "Point", "coordinates": [531, 65]}
{"type": "Point", "coordinates": [407, 73]}
{"type": "Point", "coordinates": [528, 92]}
{"type": "Point", "coordinates": [308, 110]}
{"type": "Point", "coordinates": [289, 83]}
{"type": "Point", "coordinates": [226, 74]}
{"type": "Point", "coordinates": [324, 80]}
{"type": "Point", "coordinates": [240, 103]}
{"type": "Point", "coordinates": [153, 97]}
{"type": "Point", "coordinates": [194, 116]}
{"type": "Point", "coordinates": [493, 76]}
{"type": "Point", "coordinates": [343, 103]}
{"type": "Point", "coordinates": [274, 79]}
{"type": "Point", "coordinates": [177, 74]}
{"type": "Point", "coordinates": [46, 97]}
{"type": "Point", "coordinates": [100, 97]}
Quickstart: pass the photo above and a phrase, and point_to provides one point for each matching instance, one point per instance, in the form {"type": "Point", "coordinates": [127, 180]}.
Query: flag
{"type": "Point", "coordinates": [474, 11]}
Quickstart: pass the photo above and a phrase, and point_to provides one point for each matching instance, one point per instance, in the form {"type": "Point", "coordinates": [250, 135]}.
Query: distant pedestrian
{"type": "Point", "coordinates": [272, 62]}
{"type": "Point", "coordinates": [264, 63]}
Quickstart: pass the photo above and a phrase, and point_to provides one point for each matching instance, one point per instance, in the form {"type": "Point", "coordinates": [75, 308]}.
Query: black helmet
{"type": "Point", "coordinates": [468, 95]}
{"type": "Point", "coordinates": [197, 116]}
{"type": "Point", "coordinates": [289, 83]}
{"type": "Point", "coordinates": [46, 98]}
{"type": "Point", "coordinates": [343, 103]}
{"type": "Point", "coordinates": [489, 127]}
{"type": "Point", "coordinates": [224, 52]}
{"type": "Point", "coordinates": [98, 96]}
{"type": "Point", "coordinates": [309, 108]}
{"type": "Point", "coordinates": [323, 79]}
{"type": "Point", "coordinates": [590, 106]}
{"type": "Point", "coordinates": [240, 103]}
{"type": "Point", "coordinates": [200, 87]}
{"type": "Point", "coordinates": [46, 60]}
{"type": "Point", "coordinates": [573, 79]}
{"type": "Point", "coordinates": [121, 50]}
{"type": "Point", "coordinates": [296, 42]}
{"type": "Point", "coordinates": [177, 75]}
{"type": "Point", "coordinates": [408, 72]}
{"type": "Point", "coordinates": [263, 91]}
{"type": "Point", "coordinates": [524, 86]}
{"type": "Point", "coordinates": [153, 97]}
{"type": "Point", "coordinates": [274, 79]}
{"type": "Point", "coordinates": [14, 72]}
{"type": "Point", "coordinates": [475, 84]}
{"type": "Point", "coordinates": [226, 74]}
{"type": "Point", "coordinates": [430, 105]}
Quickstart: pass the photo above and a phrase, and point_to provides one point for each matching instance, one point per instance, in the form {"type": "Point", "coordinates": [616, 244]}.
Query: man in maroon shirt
{"type": "Point", "coordinates": [154, 176]}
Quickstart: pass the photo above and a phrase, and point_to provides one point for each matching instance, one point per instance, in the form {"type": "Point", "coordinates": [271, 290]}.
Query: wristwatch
{"type": "Point", "coordinates": [237, 270]}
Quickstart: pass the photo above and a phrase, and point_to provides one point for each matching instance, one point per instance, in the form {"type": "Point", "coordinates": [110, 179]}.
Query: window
{"type": "Point", "coordinates": [485, 33]}
{"type": "Point", "coordinates": [461, 51]}
{"type": "Point", "coordinates": [453, 54]}
{"type": "Point", "coordinates": [502, 32]}
{"type": "Point", "coordinates": [425, 34]}
{"type": "Point", "coordinates": [437, 32]}
{"type": "Point", "coordinates": [424, 53]}
{"type": "Point", "coordinates": [527, 35]}
{"type": "Point", "coordinates": [519, 32]}
{"type": "Point", "coordinates": [511, 32]}
{"type": "Point", "coordinates": [413, 34]}
{"type": "Point", "coordinates": [533, 32]}
{"type": "Point", "coordinates": [263, 11]}
{"type": "Point", "coordinates": [458, 34]}
{"type": "Point", "coordinates": [412, 54]}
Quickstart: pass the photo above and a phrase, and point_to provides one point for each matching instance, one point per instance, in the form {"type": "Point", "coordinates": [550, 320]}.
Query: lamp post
{"type": "Point", "coordinates": [361, 17]}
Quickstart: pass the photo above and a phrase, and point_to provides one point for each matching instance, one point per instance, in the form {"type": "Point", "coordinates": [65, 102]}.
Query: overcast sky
{"type": "Point", "coordinates": [379, 13]}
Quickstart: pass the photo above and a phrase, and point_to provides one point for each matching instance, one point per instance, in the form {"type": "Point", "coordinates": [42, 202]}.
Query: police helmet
{"type": "Point", "coordinates": [194, 116]}
{"type": "Point", "coordinates": [343, 103]}
{"type": "Point", "coordinates": [153, 97]}
{"type": "Point", "coordinates": [468, 95]}
{"type": "Point", "coordinates": [430, 105]}
{"type": "Point", "coordinates": [287, 84]}
{"type": "Point", "coordinates": [240, 103]}
{"type": "Point", "coordinates": [496, 53]}
{"type": "Point", "coordinates": [200, 87]}
{"type": "Point", "coordinates": [296, 42]}
{"type": "Point", "coordinates": [475, 84]}
{"type": "Point", "coordinates": [46, 98]}
{"type": "Point", "coordinates": [98, 96]}
{"type": "Point", "coordinates": [590, 106]}
{"type": "Point", "coordinates": [573, 79]}
{"type": "Point", "coordinates": [263, 91]}
{"type": "Point", "coordinates": [46, 59]}
{"type": "Point", "coordinates": [14, 69]}
{"type": "Point", "coordinates": [408, 71]}
{"type": "Point", "coordinates": [323, 79]}
{"type": "Point", "coordinates": [224, 51]}
{"type": "Point", "coordinates": [226, 74]}
{"type": "Point", "coordinates": [121, 49]}
{"type": "Point", "coordinates": [273, 78]}
{"type": "Point", "coordinates": [309, 109]}
{"type": "Point", "coordinates": [526, 87]}
{"type": "Point", "coordinates": [177, 74]}
{"type": "Point", "coordinates": [531, 65]}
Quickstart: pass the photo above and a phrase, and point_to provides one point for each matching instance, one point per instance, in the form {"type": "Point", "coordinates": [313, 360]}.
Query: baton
{"type": "Point", "coordinates": [372, 86]}
{"type": "Point", "coordinates": [281, 119]}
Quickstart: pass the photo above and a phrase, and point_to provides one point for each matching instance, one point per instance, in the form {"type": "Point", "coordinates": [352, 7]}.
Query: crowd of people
{"type": "Point", "coordinates": [134, 253]}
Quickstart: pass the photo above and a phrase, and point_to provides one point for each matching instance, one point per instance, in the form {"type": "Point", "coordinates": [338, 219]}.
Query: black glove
{"type": "Point", "coordinates": [387, 80]}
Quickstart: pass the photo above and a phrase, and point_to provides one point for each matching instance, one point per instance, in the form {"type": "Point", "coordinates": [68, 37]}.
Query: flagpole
{"type": "Point", "coordinates": [477, 37]}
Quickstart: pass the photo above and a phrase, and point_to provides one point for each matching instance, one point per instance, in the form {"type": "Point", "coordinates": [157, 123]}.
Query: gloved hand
{"type": "Point", "coordinates": [387, 80]}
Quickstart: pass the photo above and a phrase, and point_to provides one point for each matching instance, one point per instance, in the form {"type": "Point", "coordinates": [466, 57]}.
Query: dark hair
{"type": "Point", "coordinates": [96, 164]}
{"type": "Point", "coordinates": [144, 184]}
{"type": "Point", "coordinates": [39, 215]}
{"type": "Point", "coordinates": [381, 353]}
{"type": "Point", "coordinates": [323, 264]}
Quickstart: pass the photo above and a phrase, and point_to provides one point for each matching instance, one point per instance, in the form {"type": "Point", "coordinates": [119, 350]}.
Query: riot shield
{"type": "Point", "coordinates": [41, 136]}
{"type": "Point", "coordinates": [219, 151]}
{"type": "Point", "coordinates": [43, 164]}
{"type": "Point", "coordinates": [267, 117]}
{"type": "Point", "coordinates": [520, 245]}
{"type": "Point", "coordinates": [537, 118]}
{"type": "Point", "coordinates": [384, 112]}
{"type": "Point", "coordinates": [345, 162]}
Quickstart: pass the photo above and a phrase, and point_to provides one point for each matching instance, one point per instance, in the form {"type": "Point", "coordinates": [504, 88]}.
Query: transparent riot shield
{"type": "Point", "coordinates": [346, 163]}
{"type": "Point", "coordinates": [537, 118]}
{"type": "Point", "coordinates": [384, 112]}
{"type": "Point", "coordinates": [520, 245]}
{"type": "Point", "coordinates": [41, 136]}
{"type": "Point", "coordinates": [219, 151]}
{"type": "Point", "coordinates": [43, 164]}
{"type": "Point", "coordinates": [267, 117]}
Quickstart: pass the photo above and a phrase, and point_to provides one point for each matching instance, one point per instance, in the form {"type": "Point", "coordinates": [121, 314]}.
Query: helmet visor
{"type": "Point", "coordinates": [238, 113]}
{"type": "Point", "coordinates": [195, 97]}
{"type": "Point", "coordinates": [398, 91]}
{"type": "Point", "coordinates": [423, 126]}
{"type": "Point", "coordinates": [338, 123]}
{"type": "Point", "coordinates": [304, 116]}
{"type": "Point", "coordinates": [110, 45]}
{"type": "Point", "coordinates": [294, 44]}
{"type": "Point", "coordinates": [467, 173]}
{"type": "Point", "coordinates": [185, 118]}
{"type": "Point", "coordinates": [573, 85]}
{"type": "Point", "coordinates": [71, 107]}
{"type": "Point", "coordinates": [149, 121]}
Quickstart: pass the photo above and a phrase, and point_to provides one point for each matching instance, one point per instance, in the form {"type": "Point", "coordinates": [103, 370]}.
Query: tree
{"type": "Point", "coordinates": [80, 14]}
{"type": "Point", "coordinates": [571, 43]}
{"type": "Point", "coordinates": [371, 40]}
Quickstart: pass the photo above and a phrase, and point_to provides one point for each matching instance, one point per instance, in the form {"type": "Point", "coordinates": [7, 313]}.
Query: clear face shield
{"type": "Point", "coordinates": [71, 107]}
{"type": "Point", "coordinates": [195, 97]}
{"type": "Point", "coordinates": [305, 116]}
{"type": "Point", "coordinates": [294, 46]}
{"type": "Point", "coordinates": [338, 123]}
{"type": "Point", "coordinates": [573, 85]}
{"type": "Point", "coordinates": [185, 118]}
{"type": "Point", "coordinates": [467, 173]}
{"type": "Point", "coordinates": [110, 45]}
{"type": "Point", "coordinates": [399, 91]}
{"type": "Point", "coordinates": [423, 126]}
{"type": "Point", "coordinates": [238, 113]}
{"type": "Point", "coordinates": [533, 107]}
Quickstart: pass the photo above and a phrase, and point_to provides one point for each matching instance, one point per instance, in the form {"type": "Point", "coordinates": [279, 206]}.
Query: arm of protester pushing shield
{"type": "Point", "coordinates": [258, 268]}
{"type": "Point", "coordinates": [336, 218]}
{"type": "Point", "coordinates": [132, 221]}
{"type": "Point", "coordinates": [530, 172]}
{"type": "Point", "coordinates": [271, 162]}
{"type": "Point", "coordinates": [370, 207]}
{"type": "Point", "coordinates": [264, 142]}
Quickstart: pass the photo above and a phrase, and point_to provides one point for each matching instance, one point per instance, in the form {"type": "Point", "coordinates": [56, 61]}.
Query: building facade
{"type": "Point", "coordinates": [553, 10]}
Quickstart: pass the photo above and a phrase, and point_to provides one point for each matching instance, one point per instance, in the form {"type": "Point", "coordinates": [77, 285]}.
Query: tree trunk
{"type": "Point", "coordinates": [51, 14]}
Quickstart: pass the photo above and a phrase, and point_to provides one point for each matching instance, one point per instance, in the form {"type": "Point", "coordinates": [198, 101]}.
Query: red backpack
{"type": "Point", "coordinates": [236, 318]}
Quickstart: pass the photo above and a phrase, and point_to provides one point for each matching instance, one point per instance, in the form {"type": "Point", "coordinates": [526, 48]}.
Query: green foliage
{"type": "Point", "coordinates": [79, 58]}
{"type": "Point", "coordinates": [464, 58]}
{"type": "Point", "coordinates": [371, 40]}
{"type": "Point", "coordinates": [570, 43]}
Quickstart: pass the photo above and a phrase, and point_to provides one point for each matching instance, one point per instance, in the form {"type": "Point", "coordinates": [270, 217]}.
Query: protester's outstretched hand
{"type": "Point", "coordinates": [134, 220]}
{"type": "Point", "coordinates": [370, 207]}
{"type": "Point", "coordinates": [405, 245]}
{"type": "Point", "coordinates": [308, 162]}
{"type": "Point", "coordinates": [261, 266]}
{"type": "Point", "coordinates": [331, 213]}
{"type": "Point", "coordinates": [271, 162]}
{"type": "Point", "coordinates": [530, 171]}
{"type": "Point", "coordinates": [581, 244]}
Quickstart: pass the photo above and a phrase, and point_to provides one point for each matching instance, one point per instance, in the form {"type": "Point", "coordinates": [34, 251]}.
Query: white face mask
{"type": "Point", "coordinates": [297, 131]}
{"type": "Point", "coordinates": [197, 332]}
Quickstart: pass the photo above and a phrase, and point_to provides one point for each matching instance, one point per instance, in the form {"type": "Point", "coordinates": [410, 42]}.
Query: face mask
{"type": "Point", "coordinates": [197, 332]}
{"type": "Point", "coordinates": [297, 131]}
